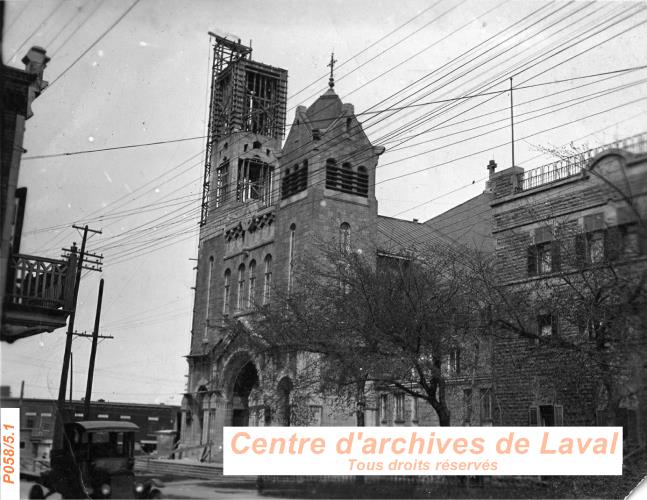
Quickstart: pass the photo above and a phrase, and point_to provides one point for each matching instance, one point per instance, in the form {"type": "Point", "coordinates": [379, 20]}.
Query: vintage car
{"type": "Point", "coordinates": [96, 461]}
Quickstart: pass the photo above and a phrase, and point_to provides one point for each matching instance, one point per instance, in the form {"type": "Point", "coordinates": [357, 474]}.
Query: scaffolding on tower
{"type": "Point", "coordinates": [225, 53]}
{"type": "Point", "coordinates": [246, 96]}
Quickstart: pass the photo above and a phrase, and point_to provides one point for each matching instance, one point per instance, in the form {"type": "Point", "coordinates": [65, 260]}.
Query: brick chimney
{"type": "Point", "coordinates": [491, 166]}
{"type": "Point", "coordinates": [35, 62]}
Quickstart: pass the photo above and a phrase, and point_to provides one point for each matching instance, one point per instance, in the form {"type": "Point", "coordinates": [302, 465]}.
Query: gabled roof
{"type": "Point", "coordinates": [469, 223]}
{"type": "Point", "coordinates": [399, 236]}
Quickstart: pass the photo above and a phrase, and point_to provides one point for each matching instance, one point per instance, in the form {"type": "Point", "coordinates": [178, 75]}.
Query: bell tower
{"type": "Point", "coordinates": [246, 125]}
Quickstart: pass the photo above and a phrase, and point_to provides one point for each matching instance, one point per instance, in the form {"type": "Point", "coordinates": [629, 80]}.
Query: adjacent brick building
{"type": "Point", "coordinates": [37, 420]}
{"type": "Point", "coordinates": [572, 247]}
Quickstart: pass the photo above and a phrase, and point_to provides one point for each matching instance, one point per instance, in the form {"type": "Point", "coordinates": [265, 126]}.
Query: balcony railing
{"type": "Point", "coordinates": [38, 282]}
{"type": "Point", "coordinates": [573, 165]}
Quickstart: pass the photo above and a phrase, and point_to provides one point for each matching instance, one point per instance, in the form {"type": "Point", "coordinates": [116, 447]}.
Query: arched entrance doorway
{"type": "Point", "coordinates": [246, 380]}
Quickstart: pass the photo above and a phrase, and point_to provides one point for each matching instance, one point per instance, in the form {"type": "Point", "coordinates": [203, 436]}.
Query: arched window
{"type": "Point", "coordinates": [226, 293]}
{"type": "Point", "coordinates": [293, 229]}
{"type": "Point", "coordinates": [222, 182]}
{"type": "Point", "coordinates": [251, 298]}
{"type": "Point", "coordinates": [344, 237]}
{"type": "Point", "coordinates": [267, 281]}
{"type": "Point", "coordinates": [208, 302]}
{"type": "Point", "coordinates": [240, 299]}
{"type": "Point", "coordinates": [347, 178]}
{"type": "Point", "coordinates": [362, 181]}
{"type": "Point", "coordinates": [332, 174]}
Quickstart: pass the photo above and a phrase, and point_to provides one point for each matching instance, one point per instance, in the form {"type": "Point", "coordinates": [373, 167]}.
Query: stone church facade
{"type": "Point", "coordinates": [266, 207]}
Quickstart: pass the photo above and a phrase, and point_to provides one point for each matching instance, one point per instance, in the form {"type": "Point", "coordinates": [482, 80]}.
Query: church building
{"type": "Point", "coordinates": [264, 205]}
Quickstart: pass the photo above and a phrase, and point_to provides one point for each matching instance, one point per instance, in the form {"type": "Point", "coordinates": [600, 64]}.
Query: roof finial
{"type": "Point", "coordinates": [331, 65]}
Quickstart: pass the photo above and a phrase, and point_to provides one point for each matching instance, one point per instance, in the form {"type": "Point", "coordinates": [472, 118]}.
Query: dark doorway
{"type": "Point", "coordinates": [246, 380]}
{"type": "Point", "coordinates": [284, 407]}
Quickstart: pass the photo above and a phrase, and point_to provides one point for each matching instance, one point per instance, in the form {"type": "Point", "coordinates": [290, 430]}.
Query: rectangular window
{"type": "Point", "coordinates": [546, 415]}
{"type": "Point", "coordinates": [467, 406]}
{"type": "Point", "coordinates": [544, 258]}
{"type": "Point", "coordinates": [545, 255]}
{"type": "Point", "coordinates": [485, 397]}
{"type": "Point", "coordinates": [45, 422]}
{"type": "Point", "coordinates": [547, 325]}
{"type": "Point", "coordinates": [254, 181]}
{"type": "Point", "coordinates": [315, 415]}
{"type": "Point", "coordinates": [595, 247]}
{"type": "Point", "coordinates": [592, 328]}
{"type": "Point", "coordinates": [399, 407]}
{"type": "Point", "coordinates": [384, 401]}
{"type": "Point", "coordinates": [454, 361]}
{"type": "Point", "coordinates": [632, 244]}
{"type": "Point", "coordinates": [414, 410]}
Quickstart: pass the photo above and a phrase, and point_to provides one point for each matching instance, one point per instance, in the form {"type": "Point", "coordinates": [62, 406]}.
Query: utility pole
{"type": "Point", "coordinates": [71, 373]}
{"type": "Point", "coordinates": [60, 402]}
{"type": "Point", "coordinates": [512, 121]}
{"type": "Point", "coordinates": [93, 353]}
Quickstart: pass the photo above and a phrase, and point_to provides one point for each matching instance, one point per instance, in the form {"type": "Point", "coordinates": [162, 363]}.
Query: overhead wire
{"type": "Point", "coordinates": [48, 16]}
{"type": "Point", "coordinates": [78, 28]}
{"type": "Point", "coordinates": [93, 44]}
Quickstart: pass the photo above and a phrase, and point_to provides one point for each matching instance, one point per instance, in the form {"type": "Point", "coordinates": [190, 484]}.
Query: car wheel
{"type": "Point", "coordinates": [36, 492]}
{"type": "Point", "coordinates": [155, 494]}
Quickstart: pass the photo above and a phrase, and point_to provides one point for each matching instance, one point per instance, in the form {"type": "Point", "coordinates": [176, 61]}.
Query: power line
{"type": "Point", "coordinates": [114, 148]}
{"type": "Point", "coordinates": [41, 25]}
{"type": "Point", "coordinates": [369, 112]}
{"type": "Point", "coordinates": [93, 44]}
{"type": "Point", "coordinates": [24, 8]}
{"type": "Point", "coordinates": [62, 29]}
{"type": "Point", "coordinates": [76, 30]}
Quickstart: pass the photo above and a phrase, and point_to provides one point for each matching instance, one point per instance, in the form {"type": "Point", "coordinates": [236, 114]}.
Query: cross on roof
{"type": "Point", "coordinates": [331, 65]}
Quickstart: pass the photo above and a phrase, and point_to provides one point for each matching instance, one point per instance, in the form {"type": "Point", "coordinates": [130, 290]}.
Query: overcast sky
{"type": "Point", "coordinates": [146, 81]}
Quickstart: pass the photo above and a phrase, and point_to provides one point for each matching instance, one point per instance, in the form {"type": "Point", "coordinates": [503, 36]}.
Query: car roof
{"type": "Point", "coordinates": [105, 425]}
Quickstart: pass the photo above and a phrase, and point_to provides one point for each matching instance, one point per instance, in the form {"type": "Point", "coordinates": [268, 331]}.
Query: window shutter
{"type": "Point", "coordinates": [642, 239]}
{"type": "Point", "coordinates": [579, 250]}
{"type": "Point", "coordinates": [554, 324]}
{"type": "Point", "coordinates": [532, 261]}
{"type": "Point", "coordinates": [612, 243]}
{"type": "Point", "coordinates": [533, 416]}
{"type": "Point", "coordinates": [556, 257]}
{"type": "Point", "coordinates": [559, 415]}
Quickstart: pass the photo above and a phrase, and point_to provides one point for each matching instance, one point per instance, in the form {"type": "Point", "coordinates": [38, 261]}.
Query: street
{"type": "Point", "coordinates": [190, 488]}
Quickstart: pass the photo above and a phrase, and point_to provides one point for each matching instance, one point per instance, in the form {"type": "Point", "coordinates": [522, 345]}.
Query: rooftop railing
{"type": "Point", "coordinates": [573, 165]}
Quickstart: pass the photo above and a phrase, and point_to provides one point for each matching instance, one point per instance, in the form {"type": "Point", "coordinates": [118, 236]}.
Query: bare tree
{"type": "Point", "coordinates": [391, 323]}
